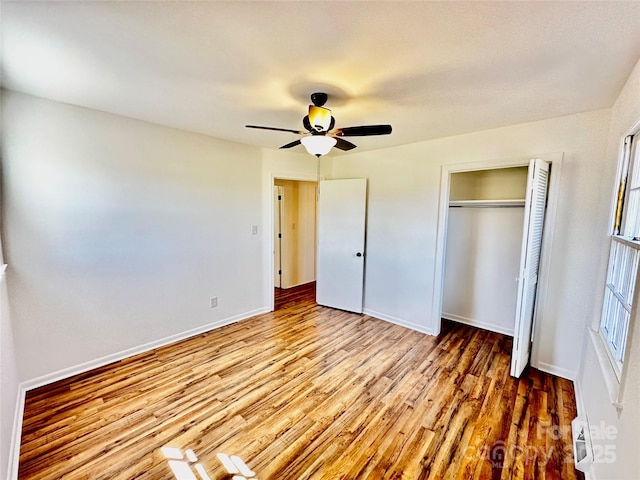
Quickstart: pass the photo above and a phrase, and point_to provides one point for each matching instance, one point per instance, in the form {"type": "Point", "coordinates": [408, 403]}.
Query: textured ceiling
{"type": "Point", "coordinates": [431, 69]}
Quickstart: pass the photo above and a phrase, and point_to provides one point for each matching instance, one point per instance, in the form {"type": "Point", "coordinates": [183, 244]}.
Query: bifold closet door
{"type": "Point", "coordinates": [535, 205]}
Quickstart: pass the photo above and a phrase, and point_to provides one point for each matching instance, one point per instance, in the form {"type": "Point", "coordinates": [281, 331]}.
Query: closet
{"type": "Point", "coordinates": [483, 247]}
{"type": "Point", "coordinates": [492, 243]}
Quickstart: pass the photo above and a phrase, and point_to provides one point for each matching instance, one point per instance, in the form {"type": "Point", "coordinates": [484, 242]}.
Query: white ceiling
{"type": "Point", "coordinates": [431, 69]}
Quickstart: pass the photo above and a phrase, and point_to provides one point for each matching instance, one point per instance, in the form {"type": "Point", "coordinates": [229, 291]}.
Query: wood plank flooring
{"type": "Point", "coordinates": [306, 392]}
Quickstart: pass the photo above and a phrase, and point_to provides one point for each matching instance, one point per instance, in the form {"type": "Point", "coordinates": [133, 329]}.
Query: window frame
{"type": "Point", "coordinates": [627, 178]}
{"type": "Point", "coordinates": [619, 295]}
{"type": "Point", "coordinates": [630, 228]}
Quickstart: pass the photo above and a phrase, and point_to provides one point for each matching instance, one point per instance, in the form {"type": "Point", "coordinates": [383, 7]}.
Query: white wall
{"type": "Point", "coordinates": [118, 232]}
{"type": "Point", "coordinates": [482, 262]}
{"type": "Point", "coordinates": [495, 184]}
{"type": "Point", "coordinates": [307, 235]}
{"type": "Point", "coordinates": [590, 382]}
{"type": "Point", "coordinates": [404, 189]}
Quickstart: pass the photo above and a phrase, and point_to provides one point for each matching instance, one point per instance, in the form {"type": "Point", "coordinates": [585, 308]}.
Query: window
{"type": "Point", "coordinates": [624, 257]}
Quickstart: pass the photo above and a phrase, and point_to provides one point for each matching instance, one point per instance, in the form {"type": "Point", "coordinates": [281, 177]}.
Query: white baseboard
{"type": "Point", "coordinates": [589, 475]}
{"type": "Point", "coordinates": [24, 387]}
{"type": "Point", "coordinates": [577, 389]}
{"type": "Point", "coordinates": [476, 323]}
{"type": "Point", "coordinates": [297, 284]}
{"type": "Point", "coordinates": [557, 371]}
{"type": "Point", "coordinates": [398, 321]}
{"type": "Point", "coordinates": [582, 412]}
{"type": "Point", "coordinates": [16, 435]}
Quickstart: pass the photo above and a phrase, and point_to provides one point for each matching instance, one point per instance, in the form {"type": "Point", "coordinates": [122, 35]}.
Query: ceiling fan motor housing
{"type": "Point", "coordinates": [319, 98]}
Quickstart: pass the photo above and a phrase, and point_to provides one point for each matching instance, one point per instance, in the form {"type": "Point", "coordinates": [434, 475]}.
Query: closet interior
{"type": "Point", "coordinates": [483, 248]}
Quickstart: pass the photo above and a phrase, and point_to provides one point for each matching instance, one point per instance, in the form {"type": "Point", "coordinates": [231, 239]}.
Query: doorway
{"type": "Point", "coordinates": [486, 222]}
{"type": "Point", "coordinates": [294, 237]}
{"type": "Point", "coordinates": [484, 238]}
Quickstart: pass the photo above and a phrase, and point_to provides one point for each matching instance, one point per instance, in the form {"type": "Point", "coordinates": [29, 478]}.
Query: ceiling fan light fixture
{"type": "Point", "coordinates": [318, 145]}
{"type": "Point", "coordinates": [319, 118]}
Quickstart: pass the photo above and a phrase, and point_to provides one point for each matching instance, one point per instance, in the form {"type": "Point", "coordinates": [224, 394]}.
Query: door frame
{"type": "Point", "coordinates": [556, 160]}
{"type": "Point", "coordinates": [277, 243]}
{"type": "Point", "coordinates": [269, 293]}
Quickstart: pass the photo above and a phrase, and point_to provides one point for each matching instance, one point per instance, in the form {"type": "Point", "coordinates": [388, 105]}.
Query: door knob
{"type": "Point", "coordinates": [358, 254]}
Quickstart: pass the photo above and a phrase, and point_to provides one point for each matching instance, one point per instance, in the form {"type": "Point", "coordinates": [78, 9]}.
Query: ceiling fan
{"type": "Point", "coordinates": [321, 136]}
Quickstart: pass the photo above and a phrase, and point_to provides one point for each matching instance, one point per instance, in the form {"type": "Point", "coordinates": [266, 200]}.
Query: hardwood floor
{"type": "Point", "coordinates": [306, 392]}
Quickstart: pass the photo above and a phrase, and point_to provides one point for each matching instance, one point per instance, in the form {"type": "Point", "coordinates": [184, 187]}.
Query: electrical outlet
{"type": "Point", "coordinates": [214, 302]}
{"type": "Point", "coordinates": [254, 229]}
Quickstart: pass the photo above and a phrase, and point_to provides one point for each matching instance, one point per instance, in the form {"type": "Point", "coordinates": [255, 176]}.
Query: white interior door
{"type": "Point", "coordinates": [529, 262]}
{"type": "Point", "coordinates": [341, 234]}
{"type": "Point", "coordinates": [277, 236]}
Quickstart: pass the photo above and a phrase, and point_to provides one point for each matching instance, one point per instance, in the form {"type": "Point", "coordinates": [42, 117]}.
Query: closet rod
{"type": "Point", "coordinates": [486, 206]}
{"type": "Point", "coordinates": [515, 203]}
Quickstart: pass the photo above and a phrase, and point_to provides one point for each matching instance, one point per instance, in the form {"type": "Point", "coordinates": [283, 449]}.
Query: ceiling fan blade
{"type": "Point", "coordinates": [342, 144]}
{"type": "Point", "coordinates": [363, 130]}
{"type": "Point", "coordinates": [292, 144]}
{"type": "Point", "coordinates": [276, 129]}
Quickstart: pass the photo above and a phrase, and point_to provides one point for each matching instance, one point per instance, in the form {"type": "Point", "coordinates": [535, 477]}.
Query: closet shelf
{"type": "Point", "coordinates": [514, 202]}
